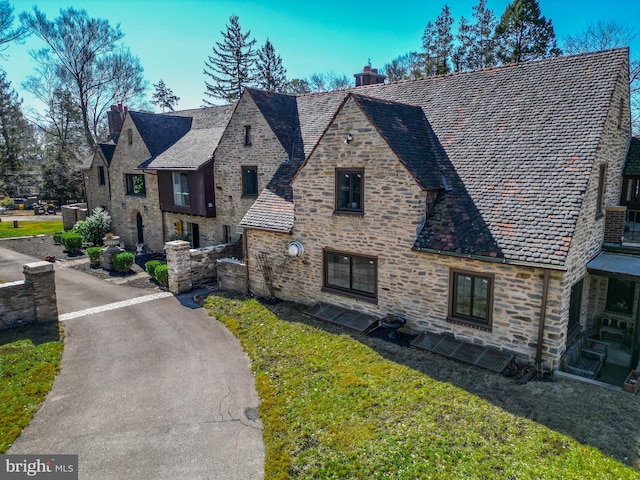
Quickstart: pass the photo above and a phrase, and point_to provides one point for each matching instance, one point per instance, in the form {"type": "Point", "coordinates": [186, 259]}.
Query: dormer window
{"type": "Point", "coordinates": [247, 135]}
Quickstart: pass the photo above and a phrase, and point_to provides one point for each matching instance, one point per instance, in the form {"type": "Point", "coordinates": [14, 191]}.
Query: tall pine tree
{"type": "Point", "coordinates": [523, 34]}
{"type": "Point", "coordinates": [231, 67]}
{"type": "Point", "coordinates": [271, 75]}
{"type": "Point", "coordinates": [164, 97]}
{"type": "Point", "coordinates": [482, 50]}
{"type": "Point", "coordinates": [437, 44]}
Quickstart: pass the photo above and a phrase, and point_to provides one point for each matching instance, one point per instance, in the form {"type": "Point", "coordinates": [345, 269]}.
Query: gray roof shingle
{"type": "Point", "coordinates": [195, 147]}
{"type": "Point", "coordinates": [159, 131]}
{"type": "Point", "coordinates": [519, 143]}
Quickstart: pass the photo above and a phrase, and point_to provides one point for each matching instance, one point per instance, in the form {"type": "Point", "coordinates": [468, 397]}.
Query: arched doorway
{"type": "Point", "coordinates": [140, 228]}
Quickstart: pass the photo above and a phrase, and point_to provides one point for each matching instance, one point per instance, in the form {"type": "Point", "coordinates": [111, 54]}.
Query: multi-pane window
{"type": "Point", "coordinates": [135, 184]}
{"type": "Point", "coordinates": [180, 189]}
{"type": "Point", "coordinates": [249, 181]}
{"type": "Point", "coordinates": [101, 178]}
{"type": "Point", "coordinates": [350, 273]}
{"type": "Point", "coordinates": [471, 298]}
{"type": "Point", "coordinates": [349, 190]}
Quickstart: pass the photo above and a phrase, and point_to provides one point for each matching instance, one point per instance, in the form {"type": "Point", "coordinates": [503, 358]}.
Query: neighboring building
{"type": "Point", "coordinates": [469, 204]}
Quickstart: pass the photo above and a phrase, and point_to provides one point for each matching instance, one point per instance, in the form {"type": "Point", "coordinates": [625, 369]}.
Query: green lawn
{"type": "Point", "coordinates": [26, 229]}
{"type": "Point", "coordinates": [332, 407]}
{"type": "Point", "coordinates": [29, 359]}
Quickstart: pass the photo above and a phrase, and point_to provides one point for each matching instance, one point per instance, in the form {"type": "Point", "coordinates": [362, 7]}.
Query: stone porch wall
{"type": "Point", "coordinates": [30, 300]}
{"type": "Point", "coordinates": [191, 268]}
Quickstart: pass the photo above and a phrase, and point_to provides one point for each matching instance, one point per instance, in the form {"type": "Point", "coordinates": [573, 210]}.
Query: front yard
{"type": "Point", "coordinates": [341, 406]}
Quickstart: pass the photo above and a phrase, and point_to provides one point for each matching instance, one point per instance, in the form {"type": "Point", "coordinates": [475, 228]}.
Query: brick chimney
{"type": "Point", "coordinates": [115, 118]}
{"type": "Point", "coordinates": [614, 223]}
{"type": "Point", "coordinates": [368, 76]}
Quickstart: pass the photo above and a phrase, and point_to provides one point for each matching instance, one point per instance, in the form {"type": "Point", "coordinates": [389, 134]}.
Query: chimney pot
{"type": "Point", "coordinates": [367, 68]}
{"type": "Point", "coordinates": [114, 107]}
{"type": "Point", "coordinates": [119, 107]}
{"type": "Point", "coordinates": [126, 109]}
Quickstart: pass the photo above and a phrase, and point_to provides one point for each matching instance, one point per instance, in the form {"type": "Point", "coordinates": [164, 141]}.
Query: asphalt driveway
{"type": "Point", "coordinates": [150, 387]}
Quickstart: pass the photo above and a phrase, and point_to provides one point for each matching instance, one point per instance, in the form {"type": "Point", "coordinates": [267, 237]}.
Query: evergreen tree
{"type": "Point", "coordinates": [298, 86]}
{"type": "Point", "coordinates": [164, 97]}
{"type": "Point", "coordinates": [14, 133]}
{"type": "Point", "coordinates": [523, 34]}
{"type": "Point", "coordinates": [437, 44]}
{"type": "Point", "coordinates": [461, 54]}
{"type": "Point", "coordinates": [231, 67]}
{"type": "Point", "coordinates": [482, 47]}
{"type": "Point", "coordinates": [271, 75]}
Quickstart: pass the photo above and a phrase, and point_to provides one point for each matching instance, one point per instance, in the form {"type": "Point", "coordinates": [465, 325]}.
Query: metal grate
{"type": "Point", "coordinates": [484, 357]}
{"type": "Point", "coordinates": [352, 319]}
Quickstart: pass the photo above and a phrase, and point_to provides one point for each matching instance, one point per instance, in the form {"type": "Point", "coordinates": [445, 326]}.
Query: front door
{"type": "Point", "coordinates": [140, 228]}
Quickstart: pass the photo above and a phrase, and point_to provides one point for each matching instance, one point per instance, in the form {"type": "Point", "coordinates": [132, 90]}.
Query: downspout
{"type": "Point", "coordinates": [543, 309]}
{"type": "Point", "coordinates": [245, 253]}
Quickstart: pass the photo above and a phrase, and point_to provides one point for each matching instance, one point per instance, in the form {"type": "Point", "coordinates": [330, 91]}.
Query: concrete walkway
{"type": "Point", "coordinates": [150, 387]}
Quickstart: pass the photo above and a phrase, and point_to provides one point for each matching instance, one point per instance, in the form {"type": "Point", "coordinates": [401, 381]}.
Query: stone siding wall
{"type": "Point", "coordinates": [266, 152]}
{"type": "Point", "coordinates": [73, 213]}
{"type": "Point", "coordinates": [30, 300]}
{"type": "Point", "coordinates": [97, 195]}
{"type": "Point", "coordinates": [415, 285]}
{"type": "Point", "coordinates": [124, 208]}
{"type": "Point", "coordinates": [191, 268]}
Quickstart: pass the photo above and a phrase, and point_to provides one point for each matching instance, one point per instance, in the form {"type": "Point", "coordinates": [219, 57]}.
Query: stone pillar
{"type": "Point", "coordinates": [614, 223]}
{"type": "Point", "coordinates": [179, 266]}
{"type": "Point", "coordinates": [42, 278]}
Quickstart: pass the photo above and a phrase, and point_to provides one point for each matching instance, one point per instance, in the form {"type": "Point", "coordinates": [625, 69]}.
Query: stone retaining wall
{"type": "Point", "coordinates": [191, 268]}
{"type": "Point", "coordinates": [31, 300]}
{"type": "Point", "coordinates": [232, 275]}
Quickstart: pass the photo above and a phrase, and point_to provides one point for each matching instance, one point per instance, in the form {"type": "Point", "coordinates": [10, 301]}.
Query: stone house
{"type": "Point", "coordinates": [469, 204]}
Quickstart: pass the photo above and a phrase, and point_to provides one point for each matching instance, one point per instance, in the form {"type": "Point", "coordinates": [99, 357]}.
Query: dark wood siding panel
{"type": "Point", "coordinates": [209, 194]}
{"type": "Point", "coordinates": [165, 191]}
{"type": "Point", "coordinates": [197, 194]}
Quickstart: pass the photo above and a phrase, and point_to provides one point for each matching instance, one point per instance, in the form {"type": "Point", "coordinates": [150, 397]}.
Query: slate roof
{"type": "Point", "coordinates": [519, 143]}
{"type": "Point", "coordinates": [632, 165]}
{"type": "Point", "coordinates": [195, 147]}
{"type": "Point", "coordinates": [282, 115]}
{"type": "Point", "coordinates": [159, 131]}
{"type": "Point", "coordinates": [407, 131]}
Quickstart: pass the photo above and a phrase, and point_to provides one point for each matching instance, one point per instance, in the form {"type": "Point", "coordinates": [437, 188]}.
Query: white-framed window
{"type": "Point", "coordinates": [180, 189]}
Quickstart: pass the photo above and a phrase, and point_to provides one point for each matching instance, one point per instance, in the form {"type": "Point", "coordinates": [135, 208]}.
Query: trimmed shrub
{"type": "Point", "coordinates": [122, 261]}
{"type": "Point", "coordinates": [162, 274]}
{"type": "Point", "coordinates": [94, 255]}
{"type": "Point", "coordinates": [57, 237]}
{"type": "Point", "coordinates": [95, 226]}
{"type": "Point", "coordinates": [71, 241]}
{"type": "Point", "coordinates": [151, 266]}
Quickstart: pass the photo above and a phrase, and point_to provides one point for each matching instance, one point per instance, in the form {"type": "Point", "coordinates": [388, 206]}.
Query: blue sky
{"type": "Point", "coordinates": [173, 38]}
